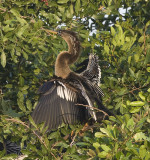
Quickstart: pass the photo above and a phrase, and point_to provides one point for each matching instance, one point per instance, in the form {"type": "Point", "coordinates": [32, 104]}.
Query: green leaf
{"type": "Point", "coordinates": [96, 145]}
{"type": "Point", "coordinates": [82, 144]}
{"type": "Point", "coordinates": [32, 121]}
{"type": "Point", "coordinates": [137, 103]}
{"type": "Point", "coordinates": [105, 148]}
{"type": "Point", "coordinates": [53, 135]}
{"type": "Point", "coordinates": [3, 59]}
{"type": "Point", "coordinates": [17, 15]}
{"type": "Point", "coordinates": [136, 1]}
{"type": "Point", "coordinates": [135, 109]}
{"type": "Point", "coordinates": [99, 134]}
{"type": "Point", "coordinates": [148, 69]}
{"type": "Point", "coordinates": [29, 104]}
{"type": "Point", "coordinates": [136, 57]}
{"type": "Point", "coordinates": [21, 81]}
{"type": "Point", "coordinates": [21, 106]}
{"type": "Point", "coordinates": [122, 91]}
{"type": "Point", "coordinates": [102, 154]}
{"type": "Point", "coordinates": [25, 55]}
{"type": "Point", "coordinates": [14, 12]}
{"type": "Point", "coordinates": [140, 136]}
{"type": "Point", "coordinates": [21, 30]}
{"type": "Point", "coordinates": [147, 156]}
{"type": "Point", "coordinates": [130, 124]}
{"type": "Point", "coordinates": [114, 42]}
{"type": "Point", "coordinates": [147, 58]}
{"type": "Point", "coordinates": [62, 1]}
{"type": "Point", "coordinates": [131, 72]}
{"type": "Point", "coordinates": [129, 59]}
{"type": "Point", "coordinates": [77, 6]}
{"type": "Point", "coordinates": [24, 88]}
{"type": "Point", "coordinates": [71, 9]}
{"type": "Point", "coordinates": [91, 153]}
{"type": "Point", "coordinates": [113, 32]}
{"type": "Point", "coordinates": [62, 144]}
{"type": "Point", "coordinates": [142, 151]}
{"type": "Point", "coordinates": [148, 90]}
{"type": "Point", "coordinates": [8, 86]}
{"type": "Point", "coordinates": [128, 102]}
{"type": "Point", "coordinates": [141, 39]}
{"type": "Point", "coordinates": [104, 130]}
{"type": "Point", "coordinates": [106, 48]}
{"type": "Point", "coordinates": [142, 96]}
{"type": "Point", "coordinates": [107, 132]}
{"type": "Point", "coordinates": [7, 28]}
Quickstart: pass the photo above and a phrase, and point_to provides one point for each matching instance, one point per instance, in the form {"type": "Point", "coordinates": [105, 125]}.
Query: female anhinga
{"type": "Point", "coordinates": [63, 99]}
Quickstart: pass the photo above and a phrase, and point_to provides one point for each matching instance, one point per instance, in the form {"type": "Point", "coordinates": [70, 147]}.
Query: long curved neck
{"type": "Point", "coordinates": [66, 58]}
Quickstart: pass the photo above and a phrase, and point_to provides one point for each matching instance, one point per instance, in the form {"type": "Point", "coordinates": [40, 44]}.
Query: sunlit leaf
{"type": "Point", "coordinates": [105, 147]}
{"type": "Point", "coordinates": [3, 59]}
{"type": "Point", "coordinates": [102, 154]}
{"type": "Point", "coordinates": [112, 31]}
{"type": "Point", "coordinates": [135, 109]}
{"type": "Point", "coordinates": [96, 145]}
{"type": "Point", "coordinates": [140, 136]}
{"type": "Point", "coordinates": [142, 96]}
{"type": "Point", "coordinates": [137, 103]}
{"type": "Point", "coordinates": [62, 1]}
{"type": "Point", "coordinates": [99, 135]}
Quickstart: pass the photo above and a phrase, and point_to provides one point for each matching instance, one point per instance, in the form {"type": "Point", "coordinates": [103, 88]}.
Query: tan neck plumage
{"type": "Point", "coordinates": [66, 58]}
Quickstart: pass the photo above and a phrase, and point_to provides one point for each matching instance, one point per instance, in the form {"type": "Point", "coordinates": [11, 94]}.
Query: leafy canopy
{"type": "Point", "coordinates": [119, 33]}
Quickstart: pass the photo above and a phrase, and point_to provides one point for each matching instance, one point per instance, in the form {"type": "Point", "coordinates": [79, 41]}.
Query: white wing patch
{"type": "Point", "coordinates": [66, 93]}
{"type": "Point", "coordinates": [99, 75]}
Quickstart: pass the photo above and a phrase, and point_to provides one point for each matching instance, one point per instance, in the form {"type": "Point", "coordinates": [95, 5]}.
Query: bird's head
{"type": "Point", "coordinates": [65, 34]}
{"type": "Point", "coordinates": [71, 39]}
{"type": "Point", "coordinates": [68, 35]}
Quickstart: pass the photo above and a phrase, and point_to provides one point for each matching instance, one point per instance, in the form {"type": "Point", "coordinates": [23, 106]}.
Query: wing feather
{"type": "Point", "coordinates": [93, 74]}
{"type": "Point", "coordinates": [58, 105]}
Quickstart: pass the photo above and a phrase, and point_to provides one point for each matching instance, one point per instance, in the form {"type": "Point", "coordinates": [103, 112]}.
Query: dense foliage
{"type": "Point", "coordinates": [118, 31]}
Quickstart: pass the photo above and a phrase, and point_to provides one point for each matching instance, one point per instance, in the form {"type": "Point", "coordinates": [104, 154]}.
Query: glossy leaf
{"type": "Point", "coordinates": [137, 103]}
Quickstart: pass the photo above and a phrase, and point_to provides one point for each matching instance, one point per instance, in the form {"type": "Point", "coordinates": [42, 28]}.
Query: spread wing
{"type": "Point", "coordinates": [93, 73]}
{"type": "Point", "coordinates": [57, 105]}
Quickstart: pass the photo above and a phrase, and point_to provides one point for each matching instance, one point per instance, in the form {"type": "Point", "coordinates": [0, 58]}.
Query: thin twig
{"type": "Point", "coordinates": [93, 108]}
{"type": "Point", "coordinates": [101, 8]}
{"type": "Point", "coordinates": [73, 139]}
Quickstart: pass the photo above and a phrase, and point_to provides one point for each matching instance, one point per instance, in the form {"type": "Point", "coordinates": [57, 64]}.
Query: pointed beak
{"type": "Point", "coordinates": [50, 31]}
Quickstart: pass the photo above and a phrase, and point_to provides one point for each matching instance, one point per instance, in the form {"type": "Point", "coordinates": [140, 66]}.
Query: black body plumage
{"type": "Point", "coordinates": [64, 97]}
{"type": "Point", "coordinates": [58, 104]}
{"type": "Point", "coordinates": [64, 100]}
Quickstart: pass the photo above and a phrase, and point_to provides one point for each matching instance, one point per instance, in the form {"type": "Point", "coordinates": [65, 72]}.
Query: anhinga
{"type": "Point", "coordinates": [64, 97]}
{"type": "Point", "coordinates": [68, 97]}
